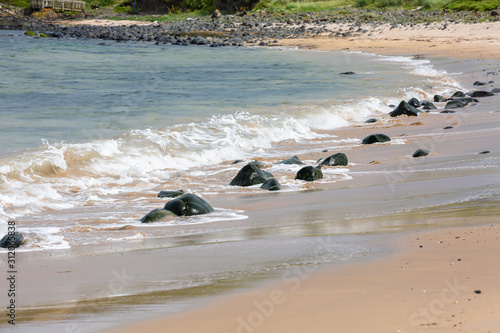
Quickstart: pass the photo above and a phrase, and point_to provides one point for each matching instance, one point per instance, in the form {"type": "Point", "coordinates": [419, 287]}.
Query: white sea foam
{"type": "Point", "coordinates": [61, 175]}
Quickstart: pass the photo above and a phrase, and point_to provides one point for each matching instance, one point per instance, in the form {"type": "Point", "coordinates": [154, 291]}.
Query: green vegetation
{"type": "Point", "coordinates": [459, 5]}
{"type": "Point", "coordinates": [17, 3]}
{"type": "Point", "coordinates": [183, 9]}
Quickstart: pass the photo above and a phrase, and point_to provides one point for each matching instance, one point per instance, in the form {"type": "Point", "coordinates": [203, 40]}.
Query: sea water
{"type": "Point", "coordinates": [91, 131]}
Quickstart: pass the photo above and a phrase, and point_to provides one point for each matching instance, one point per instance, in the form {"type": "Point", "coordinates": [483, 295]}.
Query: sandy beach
{"type": "Point", "coordinates": [433, 281]}
{"type": "Point", "coordinates": [434, 269]}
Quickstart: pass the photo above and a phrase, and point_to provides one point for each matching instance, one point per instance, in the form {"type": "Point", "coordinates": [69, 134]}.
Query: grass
{"type": "Point", "coordinates": [458, 5]}
{"type": "Point", "coordinates": [195, 8]}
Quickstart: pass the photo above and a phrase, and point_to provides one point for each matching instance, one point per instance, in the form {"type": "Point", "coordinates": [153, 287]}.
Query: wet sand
{"type": "Point", "coordinates": [414, 289]}
{"type": "Point", "coordinates": [434, 281]}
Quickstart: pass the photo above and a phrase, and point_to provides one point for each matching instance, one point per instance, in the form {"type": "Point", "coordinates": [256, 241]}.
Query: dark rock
{"type": "Point", "coordinates": [414, 102]}
{"type": "Point", "coordinates": [12, 241]}
{"type": "Point", "coordinates": [480, 83]}
{"type": "Point", "coordinates": [455, 104]}
{"type": "Point", "coordinates": [495, 90]}
{"type": "Point", "coordinates": [426, 105]}
{"type": "Point", "coordinates": [250, 175]}
{"type": "Point", "coordinates": [458, 94]}
{"type": "Point", "coordinates": [404, 109]}
{"type": "Point", "coordinates": [170, 194]}
{"type": "Point", "coordinates": [158, 215]}
{"type": "Point", "coordinates": [480, 93]}
{"type": "Point", "coordinates": [347, 73]}
{"type": "Point", "coordinates": [373, 138]}
{"type": "Point", "coordinates": [439, 98]}
{"type": "Point", "coordinates": [495, 12]}
{"type": "Point", "coordinates": [420, 152]}
{"type": "Point", "coordinates": [187, 205]}
{"type": "Point", "coordinates": [336, 159]}
{"type": "Point", "coordinates": [309, 173]}
{"type": "Point", "coordinates": [448, 127]}
{"type": "Point", "coordinates": [237, 161]}
{"type": "Point", "coordinates": [371, 120]}
{"type": "Point", "coordinates": [477, 291]}
{"type": "Point", "coordinates": [448, 111]}
{"type": "Point", "coordinates": [485, 152]}
{"type": "Point", "coordinates": [293, 160]}
{"type": "Point", "coordinates": [271, 185]}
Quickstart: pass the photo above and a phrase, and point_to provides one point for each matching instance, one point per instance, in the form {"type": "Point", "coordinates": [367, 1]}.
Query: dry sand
{"type": "Point", "coordinates": [439, 281]}
{"type": "Point", "coordinates": [461, 41]}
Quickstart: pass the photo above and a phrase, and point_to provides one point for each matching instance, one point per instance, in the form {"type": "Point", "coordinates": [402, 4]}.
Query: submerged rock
{"type": "Point", "coordinates": [404, 109]}
{"type": "Point", "coordinates": [455, 104]}
{"type": "Point", "coordinates": [309, 173]}
{"type": "Point", "coordinates": [495, 90]}
{"type": "Point", "coordinates": [170, 194]}
{"type": "Point", "coordinates": [480, 83]}
{"type": "Point", "coordinates": [12, 241]}
{"type": "Point", "coordinates": [426, 105]}
{"type": "Point", "coordinates": [371, 120]}
{"type": "Point", "coordinates": [458, 94]}
{"type": "Point", "coordinates": [188, 204]}
{"type": "Point", "coordinates": [158, 215]}
{"type": "Point", "coordinates": [347, 73]}
{"type": "Point", "coordinates": [414, 102]}
{"type": "Point", "coordinates": [335, 159]}
{"type": "Point", "coordinates": [439, 98]}
{"type": "Point", "coordinates": [292, 160]}
{"type": "Point", "coordinates": [485, 152]}
{"type": "Point", "coordinates": [250, 175]}
{"type": "Point", "coordinates": [373, 138]}
{"type": "Point", "coordinates": [271, 185]}
{"type": "Point", "coordinates": [481, 93]}
{"type": "Point", "coordinates": [421, 152]}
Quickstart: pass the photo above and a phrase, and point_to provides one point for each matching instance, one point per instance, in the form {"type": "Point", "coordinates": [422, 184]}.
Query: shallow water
{"type": "Point", "coordinates": [90, 133]}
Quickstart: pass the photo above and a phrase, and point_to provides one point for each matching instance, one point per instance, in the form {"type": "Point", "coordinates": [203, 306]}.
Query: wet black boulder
{"type": "Point", "coordinates": [250, 175]}
{"type": "Point", "coordinates": [309, 173]}
{"type": "Point", "coordinates": [482, 93]}
{"type": "Point", "coordinates": [14, 240]}
{"type": "Point", "coordinates": [414, 102]}
{"type": "Point", "coordinates": [458, 94]}
{"type": "Point", "coordinates": [373, 138]}
{"type": "Point", "coordinates": [439, 98]}
{"type": "Point", "coordinates": [426, 105]}
{"type": "Point", "coordinates": [158, 215]}
{"type": "Point", "coordinates": [335, 159]}
{"type": "Point", "coordinates": [371, 120]}
{"type": "Point", "coordinates": [170, 194]}
{"type": "Point", "coordinates": [188, 204]}
{"type": "Point", "coordinates": [292, 160]}
{"type": "Point", "coordinates": [455, 104]}
{"type": "Point", "coordinates": [404, 109]}
{"type": "Point", "coordinates": [271, 185]}
{"type": "Point", "coordinates": [421, 152]}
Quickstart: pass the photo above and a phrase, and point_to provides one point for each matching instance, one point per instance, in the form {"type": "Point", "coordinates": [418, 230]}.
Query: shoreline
{"type": "Point", "coordinates": [438, 281]}
{"type": "Point", "coordinates": [421, 287]}
{"type": "Point", "coordinates": [346, 274]}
